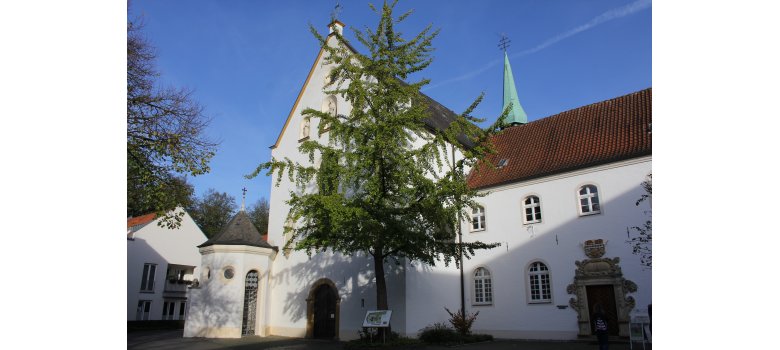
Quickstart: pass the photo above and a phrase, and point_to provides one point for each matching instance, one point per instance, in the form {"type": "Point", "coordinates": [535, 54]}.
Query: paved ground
{"type": "Point", "coordinates": [172, 340]}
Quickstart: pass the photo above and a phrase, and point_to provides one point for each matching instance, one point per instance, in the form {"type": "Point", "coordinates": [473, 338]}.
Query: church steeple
{"type": "Point", "coordinates": [516, 115]}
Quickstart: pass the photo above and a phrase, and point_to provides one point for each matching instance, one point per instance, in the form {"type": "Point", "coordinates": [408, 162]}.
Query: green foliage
{"type": "Point", "coordinates": [165, 137]}
{"type": "Point", "coordinates": [144, 198]}
{"type": "Point", "coordinates": [642, 240]}
{"type": "Point", "coordinates": [370, 338]}
{"type": "Point", "coordinates": [443, 334]}
{"type": "Point", "coordinates": [439, 333]}
{"type": "Point", "coordinates": [386, 183]}
{"type": "Point", "coordinates": [462, 321]}
{"type": "Point", "coordinates": [213, 211]}
{"type": "Point", "coordinates": [258, 212]}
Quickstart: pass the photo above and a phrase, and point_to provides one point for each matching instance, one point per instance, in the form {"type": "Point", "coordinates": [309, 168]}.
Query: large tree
{"type": "Point", "coordinates": [213, 211]}
{"type": "Point", "coordinates": [386, 183]}
{"type": "Point", "coordinates": [165, 137]}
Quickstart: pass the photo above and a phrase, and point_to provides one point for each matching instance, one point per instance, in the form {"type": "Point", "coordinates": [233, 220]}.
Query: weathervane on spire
{"type": "Point", "coordinates": [334, 15]}
{"type": "Point", "coordinates": [243, 198]}
{"type": "Point", "coordinates": [504, 42]}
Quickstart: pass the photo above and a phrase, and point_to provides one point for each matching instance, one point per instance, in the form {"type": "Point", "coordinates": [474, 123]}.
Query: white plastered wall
{"type": "Point", "coordinates": [161, 246]}
{"type": "Point", "coordinates": [216, 309]}
{"type": "Point", "coordinates": [557, 242]}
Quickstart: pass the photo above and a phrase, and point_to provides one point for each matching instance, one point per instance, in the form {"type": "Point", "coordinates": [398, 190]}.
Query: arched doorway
{"type": "Point", "coordinates": [323, 310]}
{"type": "Point", "coordinates": [250, 303]}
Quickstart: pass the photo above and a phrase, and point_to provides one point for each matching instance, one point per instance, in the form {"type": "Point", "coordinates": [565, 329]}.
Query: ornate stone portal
{"type": "Point", "coordinates": [600, 271]}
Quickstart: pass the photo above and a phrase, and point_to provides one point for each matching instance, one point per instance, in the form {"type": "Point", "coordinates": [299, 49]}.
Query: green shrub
{"type": "Point", "coordinates": [439, 333]}
{"type": "Point", "coordinates": [462, 322]}
{"type": "Point", "coordinates": [370, 338]}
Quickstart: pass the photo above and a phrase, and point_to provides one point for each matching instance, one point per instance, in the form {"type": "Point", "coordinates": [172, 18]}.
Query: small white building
{"type": "Point", "coordinates": [232, 291]}
{"type": "Point", "coordinates": [161, 262]}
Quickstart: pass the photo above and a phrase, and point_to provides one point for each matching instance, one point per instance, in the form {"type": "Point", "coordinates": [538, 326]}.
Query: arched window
{"type": "Point", "coordinates": [305, 127]}
{"type": "Point", "coordinates": [589, 200]}
{"type": "Point", "coordinates": [483, 287]}
{"type": "Point", "coordinates": [478, 219]}
{"type": "Point", "coordinates": [250, 303]}
{"type": "Point", "coordinates": [533, 210]}
{"type": "Point", "coordinates": [539, 283]}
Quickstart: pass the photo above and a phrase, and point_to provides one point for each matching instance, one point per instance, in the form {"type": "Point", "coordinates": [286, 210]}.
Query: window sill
{"type": "Point", "coordinates": [532, 222]}
{"type": "Point", "coordinates": [479, 230]}
{"type": "Point", "coordinates": [482, 304]}
{"type": "Point", "coordinates": [147, 291]}
{"type": "Point", "coordinates": [537, 302]}
{"type": "Point", "coordinates": [590, 213]}
{"type": "Point", "coordinates": [303, 139]}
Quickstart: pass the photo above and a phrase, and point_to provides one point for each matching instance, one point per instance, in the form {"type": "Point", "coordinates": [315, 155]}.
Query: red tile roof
{"type": "Point", "coordinates": [140, 220]}
{"type": "Point", "coordinates": [599, 133]}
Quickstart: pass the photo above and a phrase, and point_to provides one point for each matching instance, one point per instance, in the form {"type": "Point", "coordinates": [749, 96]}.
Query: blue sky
{"type": "Point", "coordinates": [247, 60]}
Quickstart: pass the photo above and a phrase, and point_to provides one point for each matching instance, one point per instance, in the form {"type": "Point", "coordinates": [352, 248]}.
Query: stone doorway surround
{"type": "Point", "coordinates": [600, 271]}
{"type": "Point", "coordinates": [310, 306]}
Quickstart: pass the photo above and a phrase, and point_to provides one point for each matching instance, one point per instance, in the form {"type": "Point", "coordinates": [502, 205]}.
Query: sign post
{"type": "Point", "coordinates": [377, 319]}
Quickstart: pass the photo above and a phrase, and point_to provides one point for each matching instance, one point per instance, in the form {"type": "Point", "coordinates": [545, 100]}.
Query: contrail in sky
{"type": "Point", "coordinates": [615, 13]}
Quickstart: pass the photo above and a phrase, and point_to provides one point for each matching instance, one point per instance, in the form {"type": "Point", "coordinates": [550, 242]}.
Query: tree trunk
{"type": "Point", "coordinates": [381, 289]}
{"type": "Point", "coordinates": [381, 286]}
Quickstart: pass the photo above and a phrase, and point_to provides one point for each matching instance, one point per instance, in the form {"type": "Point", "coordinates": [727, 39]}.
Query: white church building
{"type": "Point", "coordinates": [560, 200]}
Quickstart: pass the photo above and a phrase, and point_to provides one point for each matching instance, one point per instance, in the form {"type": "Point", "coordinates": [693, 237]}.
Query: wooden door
{"type": "Point", "coordinates": [604, 295]}
{"type": "Point", "coordinates": [324, 312]}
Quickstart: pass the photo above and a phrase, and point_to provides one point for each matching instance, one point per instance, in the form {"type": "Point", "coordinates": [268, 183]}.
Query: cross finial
{"type": "Point", "coordinates": [504, 42]}
{"type": "Point", "coordinates": [243, 198]}
{"type": "Point", "coordinates": [336, 9]}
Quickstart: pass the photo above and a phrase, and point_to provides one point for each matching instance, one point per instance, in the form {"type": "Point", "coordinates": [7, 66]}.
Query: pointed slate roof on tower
{"type": "Point", "coordinates": [239, 231]}
{"type": "Point", "coordinates": [516, 114]}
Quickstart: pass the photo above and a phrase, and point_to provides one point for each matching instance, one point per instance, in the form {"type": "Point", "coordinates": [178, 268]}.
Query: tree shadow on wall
{"type": "Point", "coordinates": [353, 276]}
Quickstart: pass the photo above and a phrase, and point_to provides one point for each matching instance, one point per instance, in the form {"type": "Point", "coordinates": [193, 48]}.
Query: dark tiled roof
{"type": "Point", "coordinates": [600, 133]}
{"type": "Point", "coordinates": [140, 220]}
{"type": "Point", "coordinates": [441, 117]}
{"type": "Point", "coordinates": [239, 231]}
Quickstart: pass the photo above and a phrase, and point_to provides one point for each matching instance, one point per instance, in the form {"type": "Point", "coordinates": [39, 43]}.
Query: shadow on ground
{"type": "Point", "coordinates": [172, 340]}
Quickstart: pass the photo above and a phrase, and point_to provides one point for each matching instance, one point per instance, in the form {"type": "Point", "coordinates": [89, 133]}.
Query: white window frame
{"type": "Point", "coordinates": [481, 216]}
{"type": "Point", "coordinates": [168, 308]}
{"type": "Point", "coordinates": [541, 279]}
{"type": "Point", "coordinates": [482, 286]}
{"type": "Point", "coordinates": [182, 310]}
{"type": "Point", "coordinates": [592, 208]}
{"type": "Point", "coordinates": [147, 277]}
{"type": "Point", "coordinates": [536, 210]}
{"type": "Point", "coordinates": [143, 310]}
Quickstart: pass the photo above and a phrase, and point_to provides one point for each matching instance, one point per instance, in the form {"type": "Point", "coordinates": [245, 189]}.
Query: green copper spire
{"type": "Point", "coordinates": [516, 114]}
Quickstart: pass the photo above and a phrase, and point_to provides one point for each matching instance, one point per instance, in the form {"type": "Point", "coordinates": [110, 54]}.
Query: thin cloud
{"type": "Point", "coordinates": [612, 14]}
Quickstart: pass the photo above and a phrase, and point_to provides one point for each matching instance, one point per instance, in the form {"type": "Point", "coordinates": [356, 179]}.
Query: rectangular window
{"type": "Point", "coordinates": [167, 313]}
{"type": "Point", "coordinates": [478, 219]}
{"type": "Point", "coordinates": [147, 279]}
{"type": "Point", "coordinates": [182, 308]}
{"type": "Point", "coordinates": [142, 313]}
{"type": "Point", "coordinates": [533, 210]}
{"type": "Point", "coordinates": [479, 294]}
